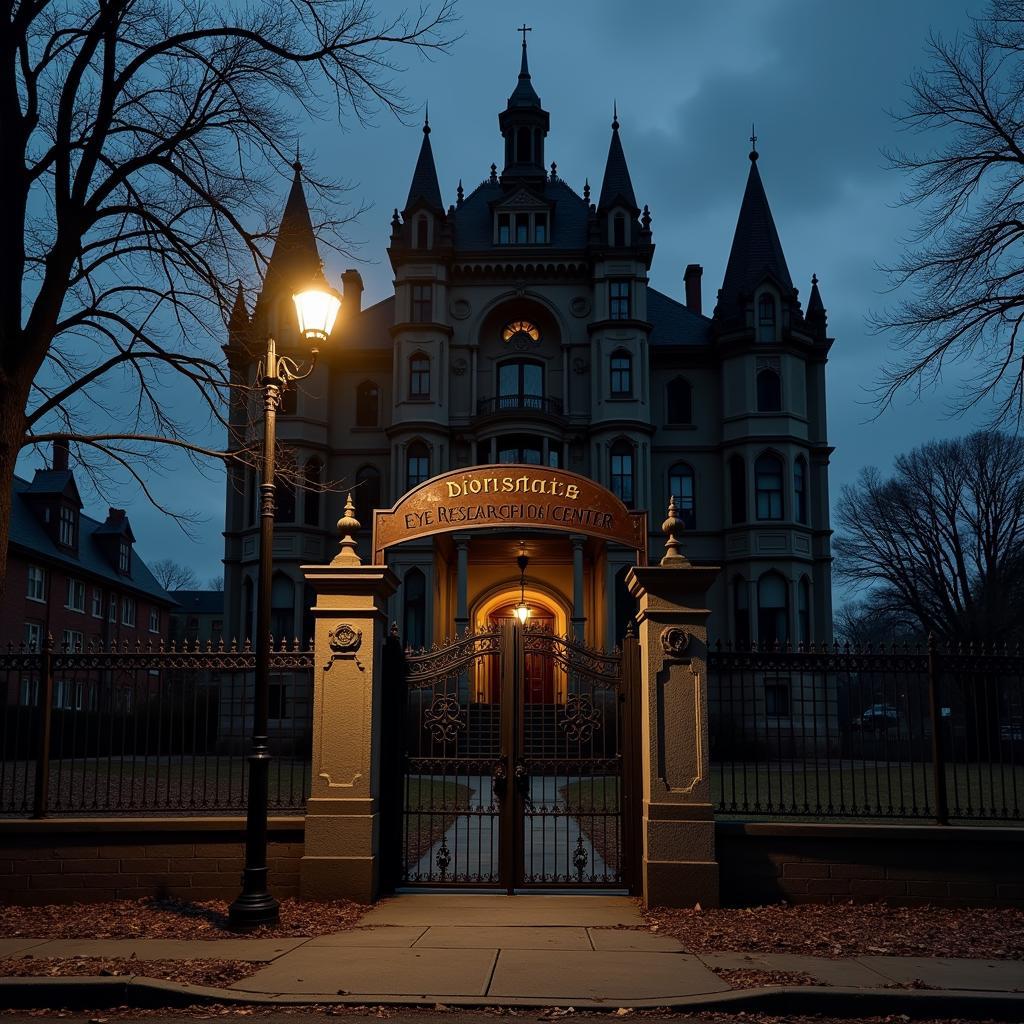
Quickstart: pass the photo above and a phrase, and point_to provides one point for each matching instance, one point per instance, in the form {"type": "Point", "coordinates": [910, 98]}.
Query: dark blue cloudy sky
{"type": "Point", "coordinates": [689, 77]}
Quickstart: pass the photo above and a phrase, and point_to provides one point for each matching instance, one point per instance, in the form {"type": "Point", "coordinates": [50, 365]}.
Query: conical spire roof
{"type": "Point", "coordinates": [295, 258]}
{"type": "Point", "coordinates": [756, 249]}
{"type": "Point", "coordinates": [424, 179]}
{"type": "Point", "coordinates": [524, 94]}
{"type": "Point", "coordinates": [239, 318]}
{"type": "Point", "coordinates": [815, 307]}
{"type": "Point", "coordinates": [616, 184]}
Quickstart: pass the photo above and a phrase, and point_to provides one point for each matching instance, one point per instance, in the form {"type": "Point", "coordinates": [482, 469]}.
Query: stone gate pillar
{"type": "Point", "coordinates": [678, 826]}
{"type": "Point", "coordinates": [342, 854]}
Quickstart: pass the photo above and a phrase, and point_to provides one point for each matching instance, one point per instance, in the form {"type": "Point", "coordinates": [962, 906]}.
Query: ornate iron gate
{"type": "Point", "coordinates": [517, 763]}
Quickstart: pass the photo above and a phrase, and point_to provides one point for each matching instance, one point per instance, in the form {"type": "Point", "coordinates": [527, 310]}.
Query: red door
{"type": "Point", "coordinates": [538, 672]}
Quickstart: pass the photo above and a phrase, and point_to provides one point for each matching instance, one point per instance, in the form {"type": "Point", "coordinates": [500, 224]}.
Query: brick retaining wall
{"type": "Point", "coordinates": [64, 860]}
{"type": "Point", "coordinates": [763, 862]}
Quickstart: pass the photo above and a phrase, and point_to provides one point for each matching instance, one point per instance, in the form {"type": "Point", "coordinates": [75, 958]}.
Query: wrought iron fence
{"type": "Point", "coordinates": [891, 732]}
{"type": "Point", "coordinates": [164, 730]}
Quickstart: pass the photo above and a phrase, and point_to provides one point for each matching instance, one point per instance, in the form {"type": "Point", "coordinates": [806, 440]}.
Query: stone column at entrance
{"type": "Point", "coordinates": [342, 856]}
{"type": "Point", "coordinates": [678, 825]}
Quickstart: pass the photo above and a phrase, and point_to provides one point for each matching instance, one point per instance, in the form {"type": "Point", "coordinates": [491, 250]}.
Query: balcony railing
{"type": "Point", "coordinates": [519, 403]}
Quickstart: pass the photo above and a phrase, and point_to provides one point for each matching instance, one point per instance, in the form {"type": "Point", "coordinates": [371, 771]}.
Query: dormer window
{"type": "Point", "coordinates": [523, 228]}
{"type": "Point", "coordinates": [68, 526]}
{"type": "Point", "coordinates": [421, 233]}
{"type": "Point", "coordinates": [766, 318]}
{"type": "Point", "coordinates": [124, 558]}
{"type": "Point", "coordinates": [619, 231]}
{"type": "Point", "coordinates": [504, 228]}
{"type": "Point", "coordinates": [540, 228]}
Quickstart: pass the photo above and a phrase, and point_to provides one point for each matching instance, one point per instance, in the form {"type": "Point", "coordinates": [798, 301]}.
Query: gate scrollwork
{"type": "Point", "coordinates": [444, 719]}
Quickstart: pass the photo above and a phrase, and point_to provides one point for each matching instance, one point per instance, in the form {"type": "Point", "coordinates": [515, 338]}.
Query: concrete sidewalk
{"type": "Point", "coordinates": [531, 950]}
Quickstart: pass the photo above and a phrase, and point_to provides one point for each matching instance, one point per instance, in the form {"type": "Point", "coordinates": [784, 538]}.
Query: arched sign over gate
{"type": "Point", "coordinates": [509, 495]}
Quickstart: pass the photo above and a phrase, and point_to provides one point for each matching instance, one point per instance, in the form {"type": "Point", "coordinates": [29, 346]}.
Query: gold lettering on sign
{"type": "Point", "coordinates": [511, 485]}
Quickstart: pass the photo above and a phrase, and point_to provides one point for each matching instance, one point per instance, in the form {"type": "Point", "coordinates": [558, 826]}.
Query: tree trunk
{"type": "Point", "coordinates": [13, 397]}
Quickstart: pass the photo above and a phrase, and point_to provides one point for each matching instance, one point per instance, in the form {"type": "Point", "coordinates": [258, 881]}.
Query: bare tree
{"type": "Point", "coordinates": [215, 583]}
{"type": "Point", "coordinates": [941, 543]}
{"type": "Point", "coordinates": [142, 140]}
{"type": "Point", "coordinates": [961, 275]}
{"type": "Point", "coordinates": [172, 575]}
{"type": "Point", "coordinates": [860, 623]}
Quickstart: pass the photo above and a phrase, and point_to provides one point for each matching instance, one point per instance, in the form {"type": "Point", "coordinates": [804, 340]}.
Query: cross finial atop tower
{"type": "Point", "coordinates": [524, 28]}
{"type": "Point", "coordinates": [753, 143]}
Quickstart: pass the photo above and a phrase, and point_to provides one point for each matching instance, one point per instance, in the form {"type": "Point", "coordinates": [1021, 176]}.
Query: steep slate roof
{"type": "Point", "coordinates": [295, 258]}
{"type": "Point", "coordinates": [756, 249]}
{"type": "Point", "coordinates": [616, 183]}
{"type": "Point", "coordinates": [28, 534]}
{"type": "Point", "coordinates": [672, 323]}
{"type": "Point", "coordinates": [424, 179]}
{"type": "Point", "coordinates": [371, 329]}
{"type": "Point", "coordinates": [54, 481]}
{"type": "Point", "coordinates": [199, 602]}
{"type": "Point", "coordinates": [474, 221]}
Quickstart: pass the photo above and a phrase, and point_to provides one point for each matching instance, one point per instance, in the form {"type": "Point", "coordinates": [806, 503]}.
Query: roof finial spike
{"type": "Point", "coordinates": [753, 143]}
{"type": "Point", "coordinates": [426, 118]}
{"type": "Point", "coordinates": [524, 70]}
{"type": "Point", "coordinates": [586, 191]}
{"type": "Point", "coordinates": [814, 279]}
{"type": "Point", "coordinates": [297, 166]}
{"type": "Point", "coordinates": [615, 115]}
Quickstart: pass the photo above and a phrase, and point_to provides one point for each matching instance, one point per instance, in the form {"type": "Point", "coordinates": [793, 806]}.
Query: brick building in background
{"type": "Point", "coordinates": [72, 577]}
{"type": "Point", "coordinates": [197, 618]}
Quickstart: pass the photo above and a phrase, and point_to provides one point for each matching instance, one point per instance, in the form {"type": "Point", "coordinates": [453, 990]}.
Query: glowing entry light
{"type": "Point", "coordinates": [317, 308]}
{"type": "Point", "coordinates": [522, 610]}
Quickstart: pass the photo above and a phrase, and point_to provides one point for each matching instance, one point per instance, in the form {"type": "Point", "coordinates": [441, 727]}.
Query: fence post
{"type": "Point", "coordinates": [41, 797]}
{"type": "Point", "coordinates": [934, 709]}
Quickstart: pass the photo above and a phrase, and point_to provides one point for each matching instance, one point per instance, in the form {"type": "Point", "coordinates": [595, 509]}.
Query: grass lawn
{"type": "Point", "coordinates": [594, 802]}
{"type": "Point", "coordinates": [431, 807]}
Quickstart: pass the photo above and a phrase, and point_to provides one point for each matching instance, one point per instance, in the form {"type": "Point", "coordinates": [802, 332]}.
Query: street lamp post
{"type": "Point", "coordinates": [317, 307]}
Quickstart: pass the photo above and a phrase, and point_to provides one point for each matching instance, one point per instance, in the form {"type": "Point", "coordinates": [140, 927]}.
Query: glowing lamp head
{"type": "Point", "coordinates": [317, 308]}
{"type": "Point", "coordinates": [522, 611]}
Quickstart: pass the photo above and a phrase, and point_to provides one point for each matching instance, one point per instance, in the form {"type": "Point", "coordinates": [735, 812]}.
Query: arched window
{"type": "Point", "coordinates": [417, 464]}
{"type": "Point", "coordinates": [622, 475]}
{"type": "Point", "coordinates": [620, 372]}
{"type": "Point", "coordinates": [414, 595]}
{"type": "Point", "coordinates": [421, 233]}
{"type": "Point", "coordinates": [769, 391]}
{"type": "Point", "coordinates": [800, 488]}
{"type": "Point", "coordinates": [772, 610]}
{"type": "Point", "coordinates": [737, 489]}
{"type": "Point", "coordinates": [766, 318]}
{"type": "Point", "coordinates": [282, 608]}
{"type": "Point", "coordinates": [803, 610]}
{"type": "Point", "coordinates": [367, 404]}
{"type": "Point", "coordinates": [284, 498]}
{"type": "Point", "coordinates": [626, 605]}
{"type": "Point", "coordinates": [741, 610]}
{"type": "Point", "coordinates": [619, 231]}
{"type": "Point", "coordinates": [524, 152]}
{"type": "Point", "coordinates": [248, 604]}
{"type": "Point", "coordinates": [419, 376]}
{"type": "Point", "coordinates": [521, 385]}
{"type": "Point", "coordinates": [681, 487]}
{"type": "Point", "coordinates": [768, 487]}
{"type": "Point", "coordinates": [313, 475]}
{"type": "Point", "coordinates": [679, 401]}
{"type": "Point", "coordinates": [366, 495]}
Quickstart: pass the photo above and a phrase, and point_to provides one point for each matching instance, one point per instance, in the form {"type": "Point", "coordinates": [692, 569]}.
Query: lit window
{"type": "Point", "coordinates": [419, 377]}
{"type": "Point", "coordinates": [622, 471]}
{"type": "Point", "coordinates": [768, 487]}
{"type": "Point", "coordinates": [36, 583]}
{"type": "Point", "coordinates": [766, 318]}
{"type": "Point", "coordinates": [621, 374]}
{"type": "Point", "coordinates": [520, 328]}
{"type": "Point", "coordinates": [417, 464]}
{"type": "Point", "coordinates": [680, 485]}
{"type": "Point", "coordinates": [67, 526]}
{"type": "Point", "coordinates": [127, 611]}
{"type": "Point", "coordinates": [76, 595]}
{"type": "Point", "coordinates": [618, 301]}
{"type": "Point", "coordinates": [422, 303]}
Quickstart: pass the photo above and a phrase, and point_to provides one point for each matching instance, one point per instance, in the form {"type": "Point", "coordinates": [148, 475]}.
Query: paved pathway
{"type": "Point", "coordinates": [567, 950]}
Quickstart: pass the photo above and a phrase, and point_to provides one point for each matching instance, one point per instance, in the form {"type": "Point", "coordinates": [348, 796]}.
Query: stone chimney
{"type": "Point", "coordinates": [691, 279]}
{"type": "Point", "coordinates": [61, 450]}
{"type": "Point", "coordinates": [352, 291]}
{"type": "Point", "coordinates": [115, 516]}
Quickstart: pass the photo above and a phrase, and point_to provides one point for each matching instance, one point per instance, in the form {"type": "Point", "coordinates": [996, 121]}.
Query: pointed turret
{"type": "Point", "coordinates": [425, 187]}
{"type": "Point", "coordinates": [295, 258]}
{"type": "Point", "coordinates": [524, 125]}
{"type": "Point", "coordinates": [238, 321]}
{"type": "Point", "coordinates": [617, 188]}
{"type": "Point", "coordinates": [756, 251]}
{"type": "Point", "coordinates": [816, 318]}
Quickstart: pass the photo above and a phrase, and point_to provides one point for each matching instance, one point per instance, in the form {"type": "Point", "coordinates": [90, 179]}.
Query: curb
{"type": "Point", "coordinates": [96, 993]}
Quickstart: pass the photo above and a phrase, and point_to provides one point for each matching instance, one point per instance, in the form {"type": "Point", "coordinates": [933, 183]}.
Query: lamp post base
{"type": "Point", "coordinates": [253, 909]}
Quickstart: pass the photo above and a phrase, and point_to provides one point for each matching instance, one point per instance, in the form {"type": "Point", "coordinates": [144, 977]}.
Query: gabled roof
{"type": "Point", "coordinates": [616, 185]}
{"type": "Point", "coordinates": [198, 602]}
{"type": "Point", "coordinates": [424, 178]}
{"type": "Point", "coordinates": [673, 323]}
{"type": "Point", "coordinates": [370, 328]}
{"type": "Point", "coordinates": [295, 258]}
{"type": "Point", "coordinates": [756, 250]}
{"type": "Point", "coordinates": [27, 533]}
{"type": "Point", "coordinates": [53, 483]}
